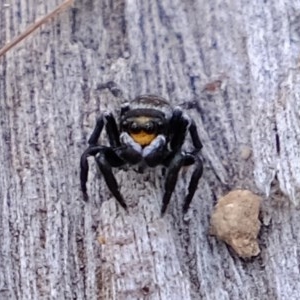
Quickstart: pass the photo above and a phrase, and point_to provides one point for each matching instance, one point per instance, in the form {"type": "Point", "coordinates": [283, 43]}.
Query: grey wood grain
{"type": "Point", "coordinates": [237, 61]}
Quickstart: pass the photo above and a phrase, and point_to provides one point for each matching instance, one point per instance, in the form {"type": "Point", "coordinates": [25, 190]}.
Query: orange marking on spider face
{"type": "Point", "coordinates": [143, 138]}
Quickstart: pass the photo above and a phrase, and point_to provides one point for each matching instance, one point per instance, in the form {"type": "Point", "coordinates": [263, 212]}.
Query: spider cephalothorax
{"type": "Point", "coordinates": [149, 133]}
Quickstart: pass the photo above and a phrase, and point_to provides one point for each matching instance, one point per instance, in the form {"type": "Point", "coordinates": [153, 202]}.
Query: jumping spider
{"type": "Point", "coordinates": [150, 133]}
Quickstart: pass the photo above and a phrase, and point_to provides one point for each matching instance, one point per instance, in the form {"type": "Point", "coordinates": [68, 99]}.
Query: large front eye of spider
{"type": "Point", "coordinates": [149, 127]}
{"type": "Point", "coordinates": [134, 127]}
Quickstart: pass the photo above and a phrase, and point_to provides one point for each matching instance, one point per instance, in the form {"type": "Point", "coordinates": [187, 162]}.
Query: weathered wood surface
{"type": "Point", "coordinates": [239, 62]}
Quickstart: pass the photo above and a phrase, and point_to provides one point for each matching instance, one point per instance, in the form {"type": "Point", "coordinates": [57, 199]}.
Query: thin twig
{"type": "Point", "coordinates": [35, 26]}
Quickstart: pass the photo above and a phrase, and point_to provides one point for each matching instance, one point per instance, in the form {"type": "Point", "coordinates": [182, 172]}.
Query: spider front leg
{"type": "Point", "coordinates": [84, 167]}
{"type": "Point", "coordinates": [111, 128]}
{"type": "Point", "coordinates": [198, 166]}
{"type": "Point", "coordinates": [182, 124]}
{"type": "Point", "coordinates": [106, 159]}
{"type": "Point", "coordinates": [109, 121]}
{"type": "Point", "coordinates": [195, 137]}
{"type": "Point", "coordinates": [193, 183]}
{"type": "Point", "coordinates": [178, 161]}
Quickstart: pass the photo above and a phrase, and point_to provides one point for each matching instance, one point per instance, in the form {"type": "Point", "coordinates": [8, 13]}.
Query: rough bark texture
{"type": "Point", "coordinates": [237, 60]}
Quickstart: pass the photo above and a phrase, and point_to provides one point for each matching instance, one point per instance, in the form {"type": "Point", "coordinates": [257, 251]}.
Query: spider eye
{"type": "Point", "coordinates": [124, 124]}
{"type": "Point", "coordinates": [149, 127]}
{"type": "Point", "coordinates": [160, 125]}
{"type": "Point", "coordinates": [134, 127]}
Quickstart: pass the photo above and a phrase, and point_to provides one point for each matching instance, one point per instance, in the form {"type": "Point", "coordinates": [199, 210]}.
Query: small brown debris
{"type": "Point", "coordinates": [101, 240]}
{"type": "Point", "coordinates": [245, 152]}
{"type": "Point", "coordinates": [235, 221]}
{"type": "Point", "coordinates": [213, 86]}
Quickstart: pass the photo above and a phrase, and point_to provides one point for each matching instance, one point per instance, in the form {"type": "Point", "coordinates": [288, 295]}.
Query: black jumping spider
{"type": "Point", "coordinates": [150, 133]}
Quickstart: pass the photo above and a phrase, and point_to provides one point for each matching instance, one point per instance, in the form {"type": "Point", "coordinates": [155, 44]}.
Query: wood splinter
{"type": "Point", "coordinates": [60, 8]}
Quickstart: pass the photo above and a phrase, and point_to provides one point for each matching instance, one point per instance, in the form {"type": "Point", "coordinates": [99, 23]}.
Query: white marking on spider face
{"type": "Point", "coordinates": [126, 139]}
{"type": "Point", "coordinates": [159, 141]}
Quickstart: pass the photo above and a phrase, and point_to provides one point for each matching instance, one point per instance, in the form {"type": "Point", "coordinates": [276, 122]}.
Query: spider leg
{"type": "Point", "coordinates": [84, 167]}
{"type": "Point", "coordinates": [97, 131]}
{"type": "Point", "coordinates": [109, 121]}
{"type": "Point", "coordinates": [178, 161]}
{"type": "Point", "coordinates": [195, 137]}
{"type": "Point", "coordinates": [193, 183]}
{"type": "Point", "coordinates": [112, 130]}
{"type": "Point", "coordinates": [112, 87]}
{"type": "Point", "coordinates": [179, 122]}
{"type": "Point", "coordinates": [106, 158]}
{"type": "Point", "coordinates": [196, 175]}
{"type": "Point", "coordinates": [178, 127]}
